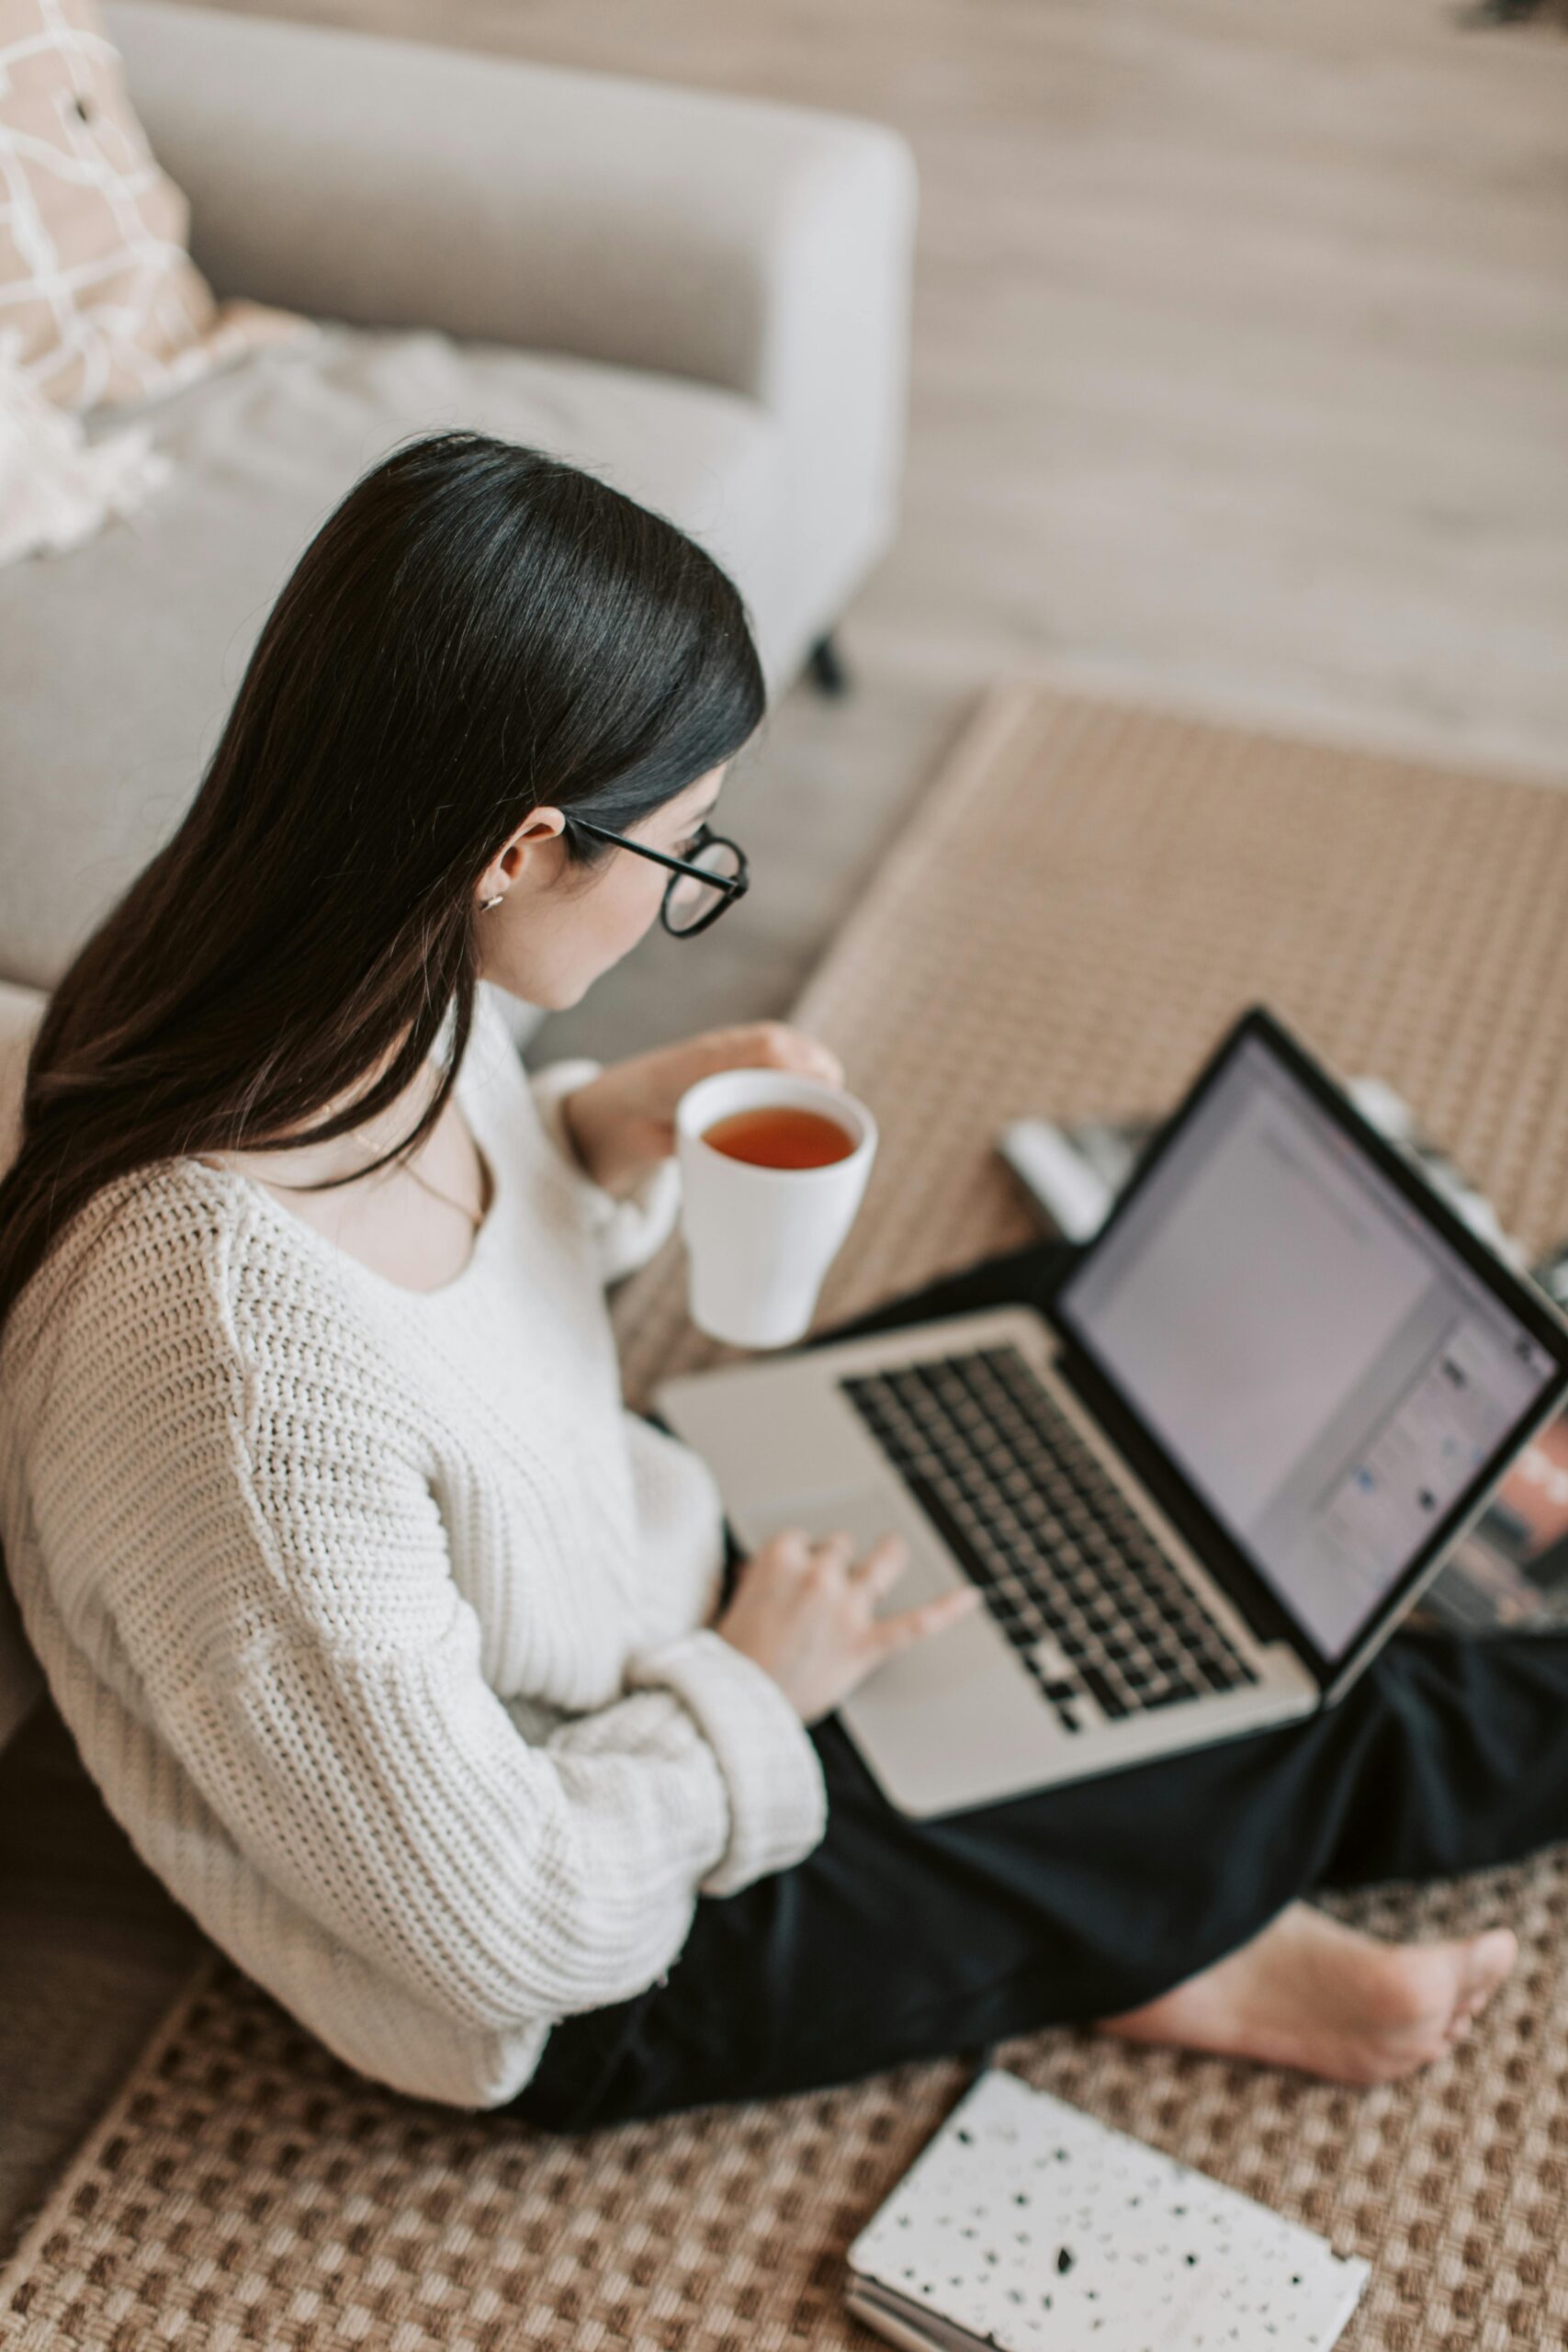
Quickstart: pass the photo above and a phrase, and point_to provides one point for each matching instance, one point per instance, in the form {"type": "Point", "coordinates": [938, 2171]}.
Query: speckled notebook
{"type": "Point", "coordinates": [1028, 2226]}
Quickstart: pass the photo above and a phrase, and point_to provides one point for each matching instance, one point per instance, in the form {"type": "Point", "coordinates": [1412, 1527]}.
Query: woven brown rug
{"type": "Point", "coordinates": [1086, 896]}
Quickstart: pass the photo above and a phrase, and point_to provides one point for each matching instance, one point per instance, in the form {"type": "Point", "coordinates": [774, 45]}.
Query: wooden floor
{"type": "Point", "coordinates": [1241, 385]}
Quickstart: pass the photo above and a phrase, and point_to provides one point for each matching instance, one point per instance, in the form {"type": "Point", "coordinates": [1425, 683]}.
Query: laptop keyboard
{"type": "Point", "coordinates": [1071, 1574]}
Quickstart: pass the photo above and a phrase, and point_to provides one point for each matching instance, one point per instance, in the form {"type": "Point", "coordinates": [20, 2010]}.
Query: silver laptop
{"type": "Point", "coordinates": [1197, 1492]}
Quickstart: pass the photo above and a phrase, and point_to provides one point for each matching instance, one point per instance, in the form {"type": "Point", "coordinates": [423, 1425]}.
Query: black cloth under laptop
{"type": "Point", "coordinates": [899, 1938]}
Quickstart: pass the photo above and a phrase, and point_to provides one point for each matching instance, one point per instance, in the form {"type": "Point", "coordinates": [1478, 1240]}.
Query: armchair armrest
{"type": "Point", "coordinates": [763, 248]}
{"type": "Point", "coordinates": [22, 1676]}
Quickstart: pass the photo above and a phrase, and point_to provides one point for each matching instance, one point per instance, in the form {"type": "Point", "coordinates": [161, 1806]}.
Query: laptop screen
{"type": "Point", "coordinates": [1304, 1342]}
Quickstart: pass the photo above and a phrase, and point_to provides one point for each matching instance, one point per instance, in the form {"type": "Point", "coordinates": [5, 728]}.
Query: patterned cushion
{"type": "Point", "coordinates": [99, 301]}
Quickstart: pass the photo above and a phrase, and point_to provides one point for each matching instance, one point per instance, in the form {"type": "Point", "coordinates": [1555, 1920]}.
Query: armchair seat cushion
{"type": "Point", "coordinates": [118, 660]}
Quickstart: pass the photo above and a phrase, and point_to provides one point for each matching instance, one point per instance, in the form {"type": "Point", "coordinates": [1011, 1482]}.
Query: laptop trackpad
{"type": "Point", "coordinates": [953, 1720]}
{"type": "Point", "coordinates": [866, 1513]}
{"type": "Point", "coordinates": [955, 1659]}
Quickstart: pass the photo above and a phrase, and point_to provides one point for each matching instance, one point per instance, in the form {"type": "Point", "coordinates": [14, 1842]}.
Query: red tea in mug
{"type": "Point", "coordinates": [776, 1135]}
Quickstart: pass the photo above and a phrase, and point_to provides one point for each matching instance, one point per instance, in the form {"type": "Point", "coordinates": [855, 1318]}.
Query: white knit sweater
{"type": "Point", "coordinates": [376, 1617]}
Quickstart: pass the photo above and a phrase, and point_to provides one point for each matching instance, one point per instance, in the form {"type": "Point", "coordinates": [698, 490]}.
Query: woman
{"type": "Point", "coordinates": [403, 1653]}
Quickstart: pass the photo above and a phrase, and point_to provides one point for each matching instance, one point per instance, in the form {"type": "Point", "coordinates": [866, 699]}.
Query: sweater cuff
{"type": "Point", "coordinates": [627, 1227]}
{"type": "Point", "coordinates": [778, 1798]}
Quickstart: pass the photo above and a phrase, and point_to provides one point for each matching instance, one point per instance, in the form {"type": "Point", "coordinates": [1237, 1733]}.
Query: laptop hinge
{"type": "Point", "coordinates": [1264, 1617]}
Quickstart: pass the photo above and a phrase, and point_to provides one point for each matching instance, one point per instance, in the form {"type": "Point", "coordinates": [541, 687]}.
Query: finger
{"type": "Point", "coordinates": [742, 1042]}
{"type": "Point", "coordinates": [931, 1617]}
{"type": "Point", "coordinates": [883, 1566]}
{"type": "Point", "coordinates": [746, 1044]}
{"type": "Point", "coordinates": [814, 1059]}
{"type": "Point", "coordinates": [792, 1541]}
{"type": "Point", "coordinates": [838, 1545]}
{"type": "Point", "coordinates": [738, 1046]}
{"type": "Point", "coordinates": [768, 1044]}
{"type": "Point", "coordinates": [782, 1047]}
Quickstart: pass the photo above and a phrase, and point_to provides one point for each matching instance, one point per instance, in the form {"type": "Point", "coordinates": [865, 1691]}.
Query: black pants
{"type": "Point", "coordinates": [898, 1939]}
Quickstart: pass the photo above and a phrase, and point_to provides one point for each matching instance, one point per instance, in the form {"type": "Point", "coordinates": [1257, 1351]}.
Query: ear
{"type": "Point", "coordinates": [507, 866]}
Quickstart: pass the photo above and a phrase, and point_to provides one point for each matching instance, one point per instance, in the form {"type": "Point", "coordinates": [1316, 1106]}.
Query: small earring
{"type": "Point", "coordinates": [486, 904]}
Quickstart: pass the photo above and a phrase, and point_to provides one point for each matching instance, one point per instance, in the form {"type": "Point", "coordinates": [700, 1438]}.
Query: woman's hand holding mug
{"type": "Point", "coordinates": [803, 1609]}
{"type": "Point", "coordinates": [623, 1120]}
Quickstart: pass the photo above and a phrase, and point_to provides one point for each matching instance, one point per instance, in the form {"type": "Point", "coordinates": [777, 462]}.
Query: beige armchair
{"type": "Point", "coordinates": [703, 298]}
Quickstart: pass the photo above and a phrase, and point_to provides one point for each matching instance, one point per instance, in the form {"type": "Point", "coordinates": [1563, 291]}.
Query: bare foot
{"type": "Point", "coordinates": [1313, 1993]}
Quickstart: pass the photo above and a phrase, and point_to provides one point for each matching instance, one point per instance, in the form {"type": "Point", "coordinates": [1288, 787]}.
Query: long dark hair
{"type": "Point", "coordinates": [477, 630]}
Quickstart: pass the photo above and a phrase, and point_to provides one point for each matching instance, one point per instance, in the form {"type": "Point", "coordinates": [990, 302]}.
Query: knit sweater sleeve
{"type": "Point", "coordinates": [627, 1227]}
{"type": "Point", "coordinates": [283, 1599]}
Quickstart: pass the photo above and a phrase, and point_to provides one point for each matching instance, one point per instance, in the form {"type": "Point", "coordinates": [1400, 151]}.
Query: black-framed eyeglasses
{"type": "Point", "coordinates": [701, 885]}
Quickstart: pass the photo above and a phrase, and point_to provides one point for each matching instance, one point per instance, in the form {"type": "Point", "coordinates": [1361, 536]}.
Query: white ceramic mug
{"type": "Point", "coordinates": [759, 1240]}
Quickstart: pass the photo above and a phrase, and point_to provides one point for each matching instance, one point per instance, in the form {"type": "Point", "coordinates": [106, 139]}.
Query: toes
{"type": "Point", "coordinates": [1488, 1961]}
{"type": "Point", "coordinates": [1496, 1949]}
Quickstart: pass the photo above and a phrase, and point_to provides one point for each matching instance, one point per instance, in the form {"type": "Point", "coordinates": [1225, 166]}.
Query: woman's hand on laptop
{"type": "Point", "coordinates": [803, 1609]}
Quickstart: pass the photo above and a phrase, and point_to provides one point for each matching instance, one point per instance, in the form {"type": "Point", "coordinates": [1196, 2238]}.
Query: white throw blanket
{"type": "Point", "coordinates": [56, 487]}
